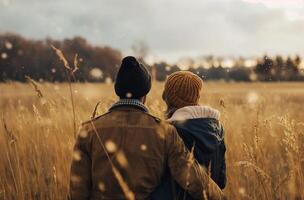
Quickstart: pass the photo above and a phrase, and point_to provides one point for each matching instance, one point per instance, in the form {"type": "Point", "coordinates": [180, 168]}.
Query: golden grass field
{"type": "Point", "coordinates": [264, 134]}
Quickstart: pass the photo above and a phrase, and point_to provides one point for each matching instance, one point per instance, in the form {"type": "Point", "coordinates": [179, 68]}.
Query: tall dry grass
{"type": "Point", "coordinates": [264, 127]}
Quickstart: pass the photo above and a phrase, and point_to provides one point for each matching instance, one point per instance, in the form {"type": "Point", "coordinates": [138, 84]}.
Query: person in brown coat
{"type": "Point", "coordinates": [125, 153]}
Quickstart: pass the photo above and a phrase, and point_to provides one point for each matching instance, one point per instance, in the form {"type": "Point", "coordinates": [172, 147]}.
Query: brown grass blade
{"type": "Point", "coordinates": [35, 85]}
{"type": "Point", "coordinates": [222, 103]}
{"type": "Point", "coordinates": [95, 110]}
{"type": "Point", "coordinates": [62, 57]}
{"type": "Point", "coordinates": [76, 63]}
{"type": "Point", "coordinates": [9, 133]}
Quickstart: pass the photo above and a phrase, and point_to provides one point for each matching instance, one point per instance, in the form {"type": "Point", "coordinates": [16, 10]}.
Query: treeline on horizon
{"type": "Point", "coordinates": [21, 57]}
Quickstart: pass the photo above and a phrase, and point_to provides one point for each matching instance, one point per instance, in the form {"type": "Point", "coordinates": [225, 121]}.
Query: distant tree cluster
{"type": "Point", "coordinates": [279, 69]}
{"type": "Point", "coordinates": [266, 69]}
{"type": "Point", "coordinates": [20, 57]}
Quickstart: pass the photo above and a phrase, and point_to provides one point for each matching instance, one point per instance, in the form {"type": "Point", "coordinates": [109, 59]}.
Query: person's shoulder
{"type": "Point", "coordinates": [161, 122]}
{"type": "Point", "coordinates": [162, 126]}
{"type": "Point", "coordinates": [90, 126]}
{"type": "Point", "coordinates": [92, 120]}
{"type": "Point", "coordinates": [154, 118]}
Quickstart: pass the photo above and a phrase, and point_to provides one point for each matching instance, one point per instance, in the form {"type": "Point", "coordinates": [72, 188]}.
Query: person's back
{"type": "Point", "coordinates": [198, 126]}
{"type": "Point", "coordinates": [200, 129]}
{"type": "Point", "coordinates": [133, 142]}
{"type": "Point", "coordinates": [125, 153]}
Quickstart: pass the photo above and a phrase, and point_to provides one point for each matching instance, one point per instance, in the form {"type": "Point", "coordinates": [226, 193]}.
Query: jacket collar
{"type": "Point", "coordinates": [134, 103]}
{"type": "Point", "coordinates": [194, 112]}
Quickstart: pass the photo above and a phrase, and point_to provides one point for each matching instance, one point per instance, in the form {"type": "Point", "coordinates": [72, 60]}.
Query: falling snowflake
{"type": "Point", "coordinates": [76, 156]}
{"type": "Point", "coordinates": [110, 146]}
{"type": "Point", "coordinates": [129, 95]}
{"type": "Point", "coordinates": [252, 97]}
{"type": "Point", "coordinates": [143, 147]}
{"type": "Point", "coordinates": [4, 56]}
{"type": "Point", "coordinates": [101, 186]}
{"type": "Point", "coordinates": [108, 80]}
{"type": "Point", "coordinates": [242, 191]}
{"type": "Point", "coordinates": [83, 133]}
{"type": "Point", "coordinates": [8, 45]}
{"type": "Point", "coordinates": [96, 73]}
{"type": "Point", "coordinates": [253, 77]}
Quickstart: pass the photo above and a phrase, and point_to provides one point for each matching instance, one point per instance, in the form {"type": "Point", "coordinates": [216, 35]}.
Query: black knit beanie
{"type": "Point", "coordinates": [133, 80]}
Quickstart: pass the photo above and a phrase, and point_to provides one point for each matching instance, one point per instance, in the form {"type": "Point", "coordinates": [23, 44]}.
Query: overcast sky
{"type": "Point", "coordinates": [171, 28]}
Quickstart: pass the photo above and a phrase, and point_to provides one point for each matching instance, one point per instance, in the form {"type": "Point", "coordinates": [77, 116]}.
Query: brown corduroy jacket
{"type": "Point", "coordinates": [123, 155]}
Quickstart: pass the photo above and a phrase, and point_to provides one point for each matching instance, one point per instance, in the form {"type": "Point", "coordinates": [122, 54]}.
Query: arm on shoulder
{"type": "Point", "coordinates": [186, 170]}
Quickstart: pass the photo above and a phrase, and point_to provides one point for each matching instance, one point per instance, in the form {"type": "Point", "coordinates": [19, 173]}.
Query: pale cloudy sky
{"type": "Point", "coordinates": [171, 28]}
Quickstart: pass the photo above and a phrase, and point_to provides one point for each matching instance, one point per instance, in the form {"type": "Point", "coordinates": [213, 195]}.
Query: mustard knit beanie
{"type": "Point", "coordinates": [182, 89]}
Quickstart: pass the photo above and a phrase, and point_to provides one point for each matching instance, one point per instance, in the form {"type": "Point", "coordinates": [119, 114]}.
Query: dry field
{"type": "Point", "coordinates": [264, 135]}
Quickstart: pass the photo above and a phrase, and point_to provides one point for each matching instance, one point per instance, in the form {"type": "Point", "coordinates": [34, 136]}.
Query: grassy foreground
{"type": "Point", "coordinates": [264, 126]}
